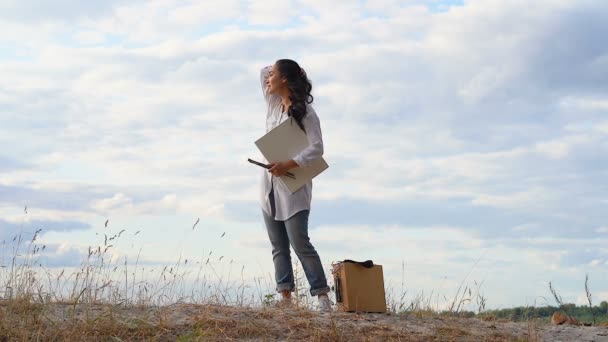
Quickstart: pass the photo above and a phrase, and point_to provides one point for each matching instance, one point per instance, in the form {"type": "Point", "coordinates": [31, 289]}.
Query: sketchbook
{"type": "Point", "coordinates": [283, 143]}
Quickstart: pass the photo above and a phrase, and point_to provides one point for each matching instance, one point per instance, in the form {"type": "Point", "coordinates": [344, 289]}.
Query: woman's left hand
{"type": "Point", "coordinates": [281, 168]}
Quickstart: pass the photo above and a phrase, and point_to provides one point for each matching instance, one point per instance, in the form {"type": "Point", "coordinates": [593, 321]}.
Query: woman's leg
{"type": "Point", "coordinates": [297, 231]}
{"type": "Point", "coordinates": [283, 271]}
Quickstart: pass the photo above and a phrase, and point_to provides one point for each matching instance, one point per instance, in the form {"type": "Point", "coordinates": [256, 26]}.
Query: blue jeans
{"type": "Point", "coordinates": [294, 230]}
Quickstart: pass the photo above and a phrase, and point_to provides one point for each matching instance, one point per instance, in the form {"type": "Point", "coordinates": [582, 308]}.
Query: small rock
{"type": "Point", "coordinates": [559, 318]}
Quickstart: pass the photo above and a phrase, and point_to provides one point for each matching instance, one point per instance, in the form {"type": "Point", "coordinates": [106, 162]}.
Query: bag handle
{"type": "Point", "coordinates": [366, 264]}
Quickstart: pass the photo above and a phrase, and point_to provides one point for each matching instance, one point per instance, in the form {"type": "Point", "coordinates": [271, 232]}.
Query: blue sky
{"type": "Point", "coordinates": [455, 132]}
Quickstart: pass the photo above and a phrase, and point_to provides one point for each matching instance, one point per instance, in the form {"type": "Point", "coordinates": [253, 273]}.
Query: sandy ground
{"type": "Point", "coordinates": [213, 322]}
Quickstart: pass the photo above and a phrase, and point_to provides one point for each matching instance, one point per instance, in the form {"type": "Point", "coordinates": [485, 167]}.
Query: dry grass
{"type": "Point", "coordinates": [109, 299]}
{"type": "Point", "coordinates": [190, 322]}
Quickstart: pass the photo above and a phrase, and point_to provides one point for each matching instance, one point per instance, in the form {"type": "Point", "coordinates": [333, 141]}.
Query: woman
{"type": "Point", "coordinates": [287, 92]}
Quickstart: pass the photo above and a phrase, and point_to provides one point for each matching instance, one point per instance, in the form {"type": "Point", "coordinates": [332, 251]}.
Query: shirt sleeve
{"type": "Point", "coordinates": [314, 151]}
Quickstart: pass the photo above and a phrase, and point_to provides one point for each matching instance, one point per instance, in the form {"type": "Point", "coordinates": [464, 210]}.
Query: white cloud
{"type": "Point", "coordinates": [204, 12]}
{"type": "Point", "coordinates": [90, 37]}
{"type": "Point", "coordinates": [383, 7]}
{"type": "Point", "coordinates": [596, 262]}
{"type": "Point", "coordinates": [116, 201]}
{"type": "Point", "coordinates": [586, 103]}
{"type": "Point", "coordinates": [553, 149]}
{"type": "Point", "coordinates": [526, 227]}
{"type": "Point", "coordinates": [602, 230]}
{"type": "Point", "coordinates": [485, 82]}
{"type": "Point", "coordinates": [271, 12]}
{"type": "Point", "coordinates": [151, 108]}
{"type": "Point", "coordinates": [520, 199]}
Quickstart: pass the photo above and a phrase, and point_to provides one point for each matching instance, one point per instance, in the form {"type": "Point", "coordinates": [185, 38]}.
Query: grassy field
{"type": "Point", "coordinates": [112, 300]}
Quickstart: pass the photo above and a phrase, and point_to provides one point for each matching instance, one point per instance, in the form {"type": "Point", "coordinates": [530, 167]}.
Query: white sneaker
{"type": "Point", "coordinates": [324, 303]}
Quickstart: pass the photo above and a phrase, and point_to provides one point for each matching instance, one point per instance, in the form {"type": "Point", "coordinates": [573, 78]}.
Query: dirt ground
{"type": "Point", "coordinates": [186, 322]}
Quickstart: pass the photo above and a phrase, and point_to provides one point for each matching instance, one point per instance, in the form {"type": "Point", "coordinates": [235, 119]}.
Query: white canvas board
{"type": "Point", "coordinates": [283, 143]}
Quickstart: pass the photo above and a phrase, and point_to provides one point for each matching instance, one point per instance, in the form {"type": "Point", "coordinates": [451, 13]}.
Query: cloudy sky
{"type": "Point", "coordinates": [467, 140]}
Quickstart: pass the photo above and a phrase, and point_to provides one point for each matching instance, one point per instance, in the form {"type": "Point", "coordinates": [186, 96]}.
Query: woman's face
{"type": "Point", "coordinates": [275, 82]}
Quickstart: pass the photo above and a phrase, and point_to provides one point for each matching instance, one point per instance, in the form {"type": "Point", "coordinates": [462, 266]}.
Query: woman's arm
{"type": "Point", "coordinates": [315, 139]}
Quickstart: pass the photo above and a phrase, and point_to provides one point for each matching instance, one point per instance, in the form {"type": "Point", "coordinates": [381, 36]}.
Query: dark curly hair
{"type": "Point", "coordinates": [299, 87]}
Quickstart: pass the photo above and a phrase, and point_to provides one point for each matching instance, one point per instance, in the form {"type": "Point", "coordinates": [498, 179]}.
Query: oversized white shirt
{"type": "Point", "coordinates": [286, 203]}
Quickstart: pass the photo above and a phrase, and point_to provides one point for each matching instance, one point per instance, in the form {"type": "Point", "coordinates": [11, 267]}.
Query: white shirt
{"type": "Point", "coordinates": [286, 203]}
